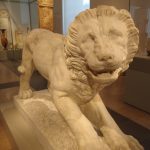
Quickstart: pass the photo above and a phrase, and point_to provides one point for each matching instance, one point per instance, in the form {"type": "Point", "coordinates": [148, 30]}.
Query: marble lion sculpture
{"type": "Point", "coordinates": [100, 44]}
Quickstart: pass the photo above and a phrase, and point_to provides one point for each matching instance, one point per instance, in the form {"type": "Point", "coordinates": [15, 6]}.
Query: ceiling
{"type": "Point", "coordinates": [19, 1]}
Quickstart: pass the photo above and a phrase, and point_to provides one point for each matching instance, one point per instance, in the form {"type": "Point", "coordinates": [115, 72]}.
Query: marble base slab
{"type": "Point", "coordinates": [46, 122]}
{"type": "Point", "coordinates": [20, 130]}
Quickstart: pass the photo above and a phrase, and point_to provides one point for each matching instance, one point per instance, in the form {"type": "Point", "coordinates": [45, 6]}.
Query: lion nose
{"type": "Point", "coordinates": [105, 58]}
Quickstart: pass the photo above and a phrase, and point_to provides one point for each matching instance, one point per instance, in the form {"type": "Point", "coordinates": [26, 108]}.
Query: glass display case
{"type": "Point", "coordinates": [17, 18]}
{"type": "Point", "coordinates": [140, 11]}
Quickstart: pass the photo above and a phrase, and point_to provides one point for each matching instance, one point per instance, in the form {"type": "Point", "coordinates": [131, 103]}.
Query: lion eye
{"type": "Point", "coordinates": [92, 36]}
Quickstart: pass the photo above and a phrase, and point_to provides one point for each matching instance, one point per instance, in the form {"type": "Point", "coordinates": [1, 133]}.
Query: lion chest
{"type": "Point", "coordinates": [83, 93]}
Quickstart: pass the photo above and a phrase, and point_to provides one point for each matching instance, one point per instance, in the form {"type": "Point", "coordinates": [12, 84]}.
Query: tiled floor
{"type": "Point", "coordinates": [111, 95]}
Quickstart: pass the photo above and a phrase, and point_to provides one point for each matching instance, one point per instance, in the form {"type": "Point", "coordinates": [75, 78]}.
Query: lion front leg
{"type": "Point", "coordinates": [97, 113]}
{"type": "Point", "coordinates": [80, 126]}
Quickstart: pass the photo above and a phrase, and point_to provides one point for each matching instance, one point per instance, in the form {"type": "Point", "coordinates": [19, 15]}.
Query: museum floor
{"type": "Point", "coordinates": [112, 96]}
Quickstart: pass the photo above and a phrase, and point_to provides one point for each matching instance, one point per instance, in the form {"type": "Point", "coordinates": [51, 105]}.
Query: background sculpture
{"type": "Point", "coordinates": [4, 40]}
{"type": "Point", "coordinates": [100, 44]}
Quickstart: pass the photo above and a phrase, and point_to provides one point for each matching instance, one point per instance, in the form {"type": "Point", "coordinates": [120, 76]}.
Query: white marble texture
{"type": "Point", "coordinates": [100, 44]}
{"type": "Point", "coordinates": [50, 128]}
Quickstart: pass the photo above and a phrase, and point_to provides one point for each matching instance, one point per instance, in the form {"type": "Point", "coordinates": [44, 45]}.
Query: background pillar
{"type": "Point", "coordinates": [45, 8]}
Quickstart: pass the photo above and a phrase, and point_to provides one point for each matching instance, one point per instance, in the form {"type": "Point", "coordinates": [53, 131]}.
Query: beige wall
{"type": "Point", "coordinates": [117, 3]}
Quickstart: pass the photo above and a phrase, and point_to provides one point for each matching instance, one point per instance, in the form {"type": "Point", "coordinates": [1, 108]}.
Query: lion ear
{"type": "Point", "coordinates": [132, 46]}
{"type": "Point", "coordinates": [133, 36]}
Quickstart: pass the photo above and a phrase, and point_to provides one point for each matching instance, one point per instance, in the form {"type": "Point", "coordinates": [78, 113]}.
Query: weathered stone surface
{"type": "Point", "coordinates": [100, 44]}
{"type": "Point", "coordinates": [47, 123]}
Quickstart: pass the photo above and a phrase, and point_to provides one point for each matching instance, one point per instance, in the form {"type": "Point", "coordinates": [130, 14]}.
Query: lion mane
{"type": "Point", "coordinates": [74, 57]}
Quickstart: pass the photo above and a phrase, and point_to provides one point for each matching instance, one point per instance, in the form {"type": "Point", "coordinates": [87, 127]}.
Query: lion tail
{"type": "Point", "coordinates": [21, 69]}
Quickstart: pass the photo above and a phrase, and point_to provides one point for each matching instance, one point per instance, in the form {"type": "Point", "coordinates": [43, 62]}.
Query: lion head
{"type": "Point", "coordinates": [101, 42]}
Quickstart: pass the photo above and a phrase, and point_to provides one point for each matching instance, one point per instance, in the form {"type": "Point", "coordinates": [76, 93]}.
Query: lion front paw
{"type": "Point", "coordinates": [93, 144]}
{"type": "Point", "coordinates": [114, 140]}
{"type": "Point", "coordinates": [133, 143]}
{"type": "Point", "coordinates": [24, 94]}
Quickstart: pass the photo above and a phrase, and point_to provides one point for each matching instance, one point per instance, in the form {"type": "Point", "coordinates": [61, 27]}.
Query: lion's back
{"type": "Point", "coordinates": [43, 45]}
{"type": "Point", "coordinates": [38, 37]}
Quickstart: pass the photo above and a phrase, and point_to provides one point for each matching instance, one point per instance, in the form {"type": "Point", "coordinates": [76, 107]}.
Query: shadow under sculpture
{"type": "Point", "coordinates": [100, 44]}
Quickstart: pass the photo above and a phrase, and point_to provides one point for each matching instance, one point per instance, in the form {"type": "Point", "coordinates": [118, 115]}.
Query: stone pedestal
{"type": "Point", "coordinates": [49, 127]}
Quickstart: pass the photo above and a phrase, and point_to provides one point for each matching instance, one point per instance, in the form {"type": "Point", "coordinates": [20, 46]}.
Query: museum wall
{"type": "Point", "coordinates": [71, 9]}
{"type": "Point", "coordinates": [34, 15]}
{"type": "Point", "coordinates": [64, 12]}
{"type": "Point", "coordinates": [118, 3]}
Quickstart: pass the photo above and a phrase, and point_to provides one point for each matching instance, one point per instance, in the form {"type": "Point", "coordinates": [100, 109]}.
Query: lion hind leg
{"type": "Point", "coordinates": [26, 69]}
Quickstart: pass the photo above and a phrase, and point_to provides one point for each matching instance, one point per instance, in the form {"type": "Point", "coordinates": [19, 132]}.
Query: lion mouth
{"type": "Point", "coordinates": [105, 75]}
{"type": "Point", "coordinates": [97, 73]}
